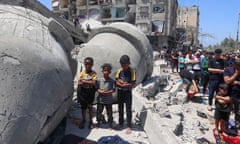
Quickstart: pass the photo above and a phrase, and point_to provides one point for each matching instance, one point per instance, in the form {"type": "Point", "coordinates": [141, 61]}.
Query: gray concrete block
{"type": "Point", "coordinates": [152, 123]}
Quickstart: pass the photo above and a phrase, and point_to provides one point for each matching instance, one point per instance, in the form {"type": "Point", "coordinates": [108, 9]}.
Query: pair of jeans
{"type": "Point", "coordinates": [125, 97]}
{"type": "Point", "coordinates": [174, 65]}
{"type": "Point", "coordinates": [213, 87]}
{"type": "Point", "coordinates": [181, 70]}
{"type": "Point", "coordinates": [100, 108]}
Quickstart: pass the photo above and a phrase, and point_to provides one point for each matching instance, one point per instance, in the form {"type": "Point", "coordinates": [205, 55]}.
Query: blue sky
{"type": "Point", "coordinates": [47, 3]}
{"type": "Point", "coordinates": [217, 17]}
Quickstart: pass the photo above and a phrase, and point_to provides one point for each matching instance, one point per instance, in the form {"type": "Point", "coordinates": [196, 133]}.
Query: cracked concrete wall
{"type": "Point", "coordinates": [36, 74]}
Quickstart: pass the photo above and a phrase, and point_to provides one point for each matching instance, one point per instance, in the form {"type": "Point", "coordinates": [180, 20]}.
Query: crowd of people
{"type": "Point", "coordinates": [216, 73]}
{"type": "Point", "coordinates": [218, 76]}
{"type": "Point", "coordinates": [89, 84]}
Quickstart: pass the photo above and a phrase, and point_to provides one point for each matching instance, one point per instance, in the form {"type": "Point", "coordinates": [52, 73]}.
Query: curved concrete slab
{"type": "Point", "coordinates": [36, 75]}
{"type": "Point", "coordinates": [107, 44]}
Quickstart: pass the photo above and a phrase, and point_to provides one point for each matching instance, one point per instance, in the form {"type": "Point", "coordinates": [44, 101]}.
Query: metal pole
{"type": "Point", "coordinates": [237, 32]}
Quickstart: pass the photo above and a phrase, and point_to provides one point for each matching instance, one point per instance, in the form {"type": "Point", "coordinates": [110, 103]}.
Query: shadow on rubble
{"type": "Point", "coordinates": [61, 134]}
{"type": "Point", "coordinates": [196, 99]}
{"type": "Point", "coordinates": [57, 135]}
{"type": "Point", "coordinates": [72, 139]}
{"type": "Point", "coordinates": [149, 80]}
{"type": "Point", "coordinates": [140, 119]}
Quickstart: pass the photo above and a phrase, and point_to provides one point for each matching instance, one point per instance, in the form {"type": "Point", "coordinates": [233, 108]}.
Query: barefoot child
{"type": "Point", "coordinates": [86, 91]}
{"type": "Point", "coordinates": [105, 88]}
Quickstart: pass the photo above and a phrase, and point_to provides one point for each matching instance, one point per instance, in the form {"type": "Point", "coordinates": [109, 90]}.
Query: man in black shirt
{"type": "Point", "coordinates": [216, 69]}
{"type": "Point", "coordinates": [232, 77]}
{"type": "Point", "coordinates": [174, 61]}
{"type": "Point", "coordinates": [190, 78]}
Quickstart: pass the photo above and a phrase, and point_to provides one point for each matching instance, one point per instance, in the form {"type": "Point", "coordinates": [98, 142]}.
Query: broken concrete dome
{"type": "Point", "coordinates": [36, 75]}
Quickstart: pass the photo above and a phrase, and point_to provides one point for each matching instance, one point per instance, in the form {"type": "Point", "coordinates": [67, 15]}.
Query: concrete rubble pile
{"type": "Point", "coordinates": [167, 115]}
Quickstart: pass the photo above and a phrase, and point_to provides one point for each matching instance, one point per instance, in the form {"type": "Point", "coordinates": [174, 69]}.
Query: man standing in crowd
{"type": "Point", "coordinates": [188, 60]}
{"type": "Point", "coordinates": [196, 64]}
{"type": "Point", "coordinates": [204, 71]}
{"type": "Point", "coordinates": [216, 69]}
{"type": "Point", "coordinates": [174, 60]}
{"type": "Point", "coordinates": [232, 78]}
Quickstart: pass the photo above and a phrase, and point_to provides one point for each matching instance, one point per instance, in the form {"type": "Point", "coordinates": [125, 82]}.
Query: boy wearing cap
{"type": "Point", "coordinates": [125, 81]}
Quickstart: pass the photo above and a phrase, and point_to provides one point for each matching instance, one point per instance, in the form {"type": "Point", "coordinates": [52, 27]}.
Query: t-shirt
{"type": "Point", "coordinates": [103, 84]}
{"type": "Point", "coordinates": [175, 57]}
{"type": "Point", "coordinates": [233, 89]}
{"type": "Point", "coordinates": [223, 107]}
{"type": "Point", "coordinates": [181, 61]}
{"type": "Point", "coordinates": [84, 75]}
{"type": "Point", "coordinates": [196, 66]}
{"type": "Point", "coordinates": [87, 92]}
{"type": "Point", "coordinates": [230, 62]}
{"type": "Point", "coordinates": [204, 65]}
{"type": "Point", "coordinates": [188, 59]}
{"type": "Point", "coordinates": [216, 64]}
{"type": "Point", "coordinates": [128, 75]}
{"type": "Point", "coordinates": [188, 74]}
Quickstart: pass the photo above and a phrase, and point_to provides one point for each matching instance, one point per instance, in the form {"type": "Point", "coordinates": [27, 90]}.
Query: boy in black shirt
{"type": "Point", "coordinates": [223, 108]}
{"type": "Point", "coordinates": [125, 80]}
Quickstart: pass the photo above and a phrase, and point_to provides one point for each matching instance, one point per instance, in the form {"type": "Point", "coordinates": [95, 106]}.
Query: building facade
{"type": "Point", "coordinates": [188, 26]}
{"type": "Point", "coordinates": [155, 18]}
{"type": "Point", "coordinates": [106, 11]}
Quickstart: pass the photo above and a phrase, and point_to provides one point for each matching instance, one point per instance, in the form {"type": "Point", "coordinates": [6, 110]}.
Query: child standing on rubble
{"type": "Point", "coordinates": [222, 111]}
{"type": "Point", "coordinates": [125, 80]}
{"type": "Point", "coordinates": [86, 91]}
{"type": "Point", "coordinates": [105, 88]}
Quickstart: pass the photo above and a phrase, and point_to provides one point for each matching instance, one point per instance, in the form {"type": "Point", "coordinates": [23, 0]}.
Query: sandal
{"type": "Point", "coordinates": [81, 125]}
{"type": "Point", "coordinates": [90, 126]}
{"type": "Point", "coordinates": [118, 127]}
{"type": "Point", "coordinates": [97, 125]}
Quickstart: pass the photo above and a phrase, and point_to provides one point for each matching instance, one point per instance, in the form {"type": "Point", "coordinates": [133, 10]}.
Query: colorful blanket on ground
{"type": "Point", "coordinates": [72, 139]}
{"type": "Point", "coordinates": [226, 139]}
{"type": "Point", "coordinates": [231, 139]}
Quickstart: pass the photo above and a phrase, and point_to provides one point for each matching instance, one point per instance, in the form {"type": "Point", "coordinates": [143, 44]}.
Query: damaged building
{"type": "Point", "coordinates": [155, 18]}
{"type": "Point", "coordinates": [188, 26]}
